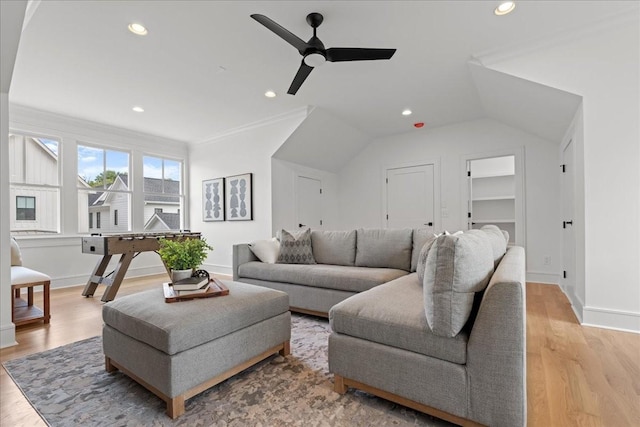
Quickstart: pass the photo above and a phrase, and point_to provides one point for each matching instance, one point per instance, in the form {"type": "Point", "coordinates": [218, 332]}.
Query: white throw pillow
{"type": "Point", "coordinates": [266, 250]}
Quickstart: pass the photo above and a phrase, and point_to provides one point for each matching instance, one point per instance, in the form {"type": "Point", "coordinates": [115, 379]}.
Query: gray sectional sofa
{"type": "Point", "coordinates": [347, 262]}
{"type": "Point", "coordinates": [433, 323]}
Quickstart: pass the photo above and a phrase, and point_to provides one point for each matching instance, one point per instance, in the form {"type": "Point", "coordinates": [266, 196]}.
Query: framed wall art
{"type": "Point", "coordinates": [239, 201]}
{"type": "Point", "coordinates": [213, 200]}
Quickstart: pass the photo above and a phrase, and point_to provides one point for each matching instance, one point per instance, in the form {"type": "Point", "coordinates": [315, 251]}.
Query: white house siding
{"type": "Point", "coordinates": [41, 168]}
{"type": "Point", "coordinates": [47, 200]}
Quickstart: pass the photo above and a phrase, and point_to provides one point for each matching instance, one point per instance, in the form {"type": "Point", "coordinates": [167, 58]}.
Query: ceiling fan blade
{"type": "Point", "coordinates": [287, 35]}
{"type": "Point", "coordinates": [301, 76]}
{"type": "Point", "coordinates": [338, 54]}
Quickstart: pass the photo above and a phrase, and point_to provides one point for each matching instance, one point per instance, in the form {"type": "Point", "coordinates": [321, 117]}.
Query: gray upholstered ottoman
{"type": "Point", "coordinates": [180, 349]}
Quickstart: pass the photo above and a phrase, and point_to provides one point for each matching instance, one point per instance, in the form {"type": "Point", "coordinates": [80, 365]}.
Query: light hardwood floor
{"type": "Point", "coordinates": [577, 376]}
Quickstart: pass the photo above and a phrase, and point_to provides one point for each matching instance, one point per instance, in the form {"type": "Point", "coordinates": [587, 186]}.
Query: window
{"type": "Point", "coordinates": [103, 189]}
{"type": "Point", "coordinates": [34, 173]}
{"type": "Point", "coordinates": [25, 208]}
{"type": "Point", "coordinates": [163, 194]}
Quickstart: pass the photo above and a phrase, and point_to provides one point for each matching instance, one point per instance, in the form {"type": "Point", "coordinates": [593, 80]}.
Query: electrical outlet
{"type": "Point", "coordinates": [547, 260]}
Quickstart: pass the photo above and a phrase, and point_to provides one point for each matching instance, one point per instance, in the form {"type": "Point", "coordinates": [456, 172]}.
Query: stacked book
{"type": "Point", "coordinates": [191, 285]}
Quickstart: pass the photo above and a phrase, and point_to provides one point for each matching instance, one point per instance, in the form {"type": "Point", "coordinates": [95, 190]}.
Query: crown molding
{"type": "Point", "coordinates": [626, 16]}
{"type": "Point", "coordinates": [300, 113]}
{"type": "Point", "coordinates": [26, 118]}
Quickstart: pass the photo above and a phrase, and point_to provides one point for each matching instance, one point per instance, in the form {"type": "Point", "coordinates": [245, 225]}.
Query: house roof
{"type": "Point", "coordinates": [151, 186]}
{"type": "Point", "coordinates": [170, 220]}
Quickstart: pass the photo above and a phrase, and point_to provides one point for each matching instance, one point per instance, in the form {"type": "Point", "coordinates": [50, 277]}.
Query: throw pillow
{"type": "Point", "coordinates": [457, 267]}
{"type": "Point", "coordinates": [420, 237]}
{"type": "Point", "coordinates": [16, 256]}
{"type": "Point", "coordinates": [296, 250]}
{"type": "Point", "coordinates": [422, 256]}
{"type": "Point", "coordinates": [266, 250]}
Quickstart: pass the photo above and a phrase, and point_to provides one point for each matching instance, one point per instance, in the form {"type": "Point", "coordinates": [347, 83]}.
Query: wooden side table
{"type": "Point", "coordinates": [24, 312]}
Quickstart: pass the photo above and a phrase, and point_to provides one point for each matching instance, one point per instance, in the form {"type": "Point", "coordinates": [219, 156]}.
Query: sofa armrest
{"type": "Point", "coordinates": [241, 255]}
{"type": "Point", "coordinates": [496, 352]}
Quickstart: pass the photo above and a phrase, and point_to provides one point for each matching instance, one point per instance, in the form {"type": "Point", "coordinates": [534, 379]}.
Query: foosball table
{"type": "Point", "coordinates": [128, 246]}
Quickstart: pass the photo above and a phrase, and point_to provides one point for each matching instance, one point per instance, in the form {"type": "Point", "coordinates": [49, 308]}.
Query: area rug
{"type": "Point", "coordinates": [68, 386]}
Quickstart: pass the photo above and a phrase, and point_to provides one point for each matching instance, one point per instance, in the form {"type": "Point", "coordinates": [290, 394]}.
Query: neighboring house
{"type": "Point", "coordinates": [109, 210]}
{"type": "Point", "coordinates": [34, 201]}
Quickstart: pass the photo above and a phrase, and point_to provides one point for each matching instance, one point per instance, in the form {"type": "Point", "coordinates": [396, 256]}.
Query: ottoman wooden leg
{"type": "Point", "coordinates": [338, 384]}
{"type": "Point", "coordinates": [175, 406]}
{"type": "Point", "coordinates": [286, 349]}
{"type": "Point", "coordinates": [108, 366]}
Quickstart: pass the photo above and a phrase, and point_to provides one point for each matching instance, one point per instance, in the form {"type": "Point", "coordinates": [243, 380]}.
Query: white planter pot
{"type": "Point", "coordinates": [180, 274]}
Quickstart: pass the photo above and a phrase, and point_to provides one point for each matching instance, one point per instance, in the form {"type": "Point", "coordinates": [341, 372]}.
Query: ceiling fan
{"type": "Point", "coordinates": [313, 51]}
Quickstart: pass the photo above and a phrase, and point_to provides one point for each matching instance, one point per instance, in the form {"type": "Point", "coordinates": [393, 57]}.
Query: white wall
{"type": "Point", "coordinates": [361, 188]}
{"type": "Point", "coordinates": [60, 256]}
{"type": "Point", "coordinates": [11, 19]}
{"type": "Point", "coordinates": [284, 194]}
{"type": "Point", "coordinates": [603, 66]}
{"type": "Point", "coordinates": [244, 151]}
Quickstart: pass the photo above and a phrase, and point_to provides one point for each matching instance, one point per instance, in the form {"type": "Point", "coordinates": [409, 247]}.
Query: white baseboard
{"type": "Point", "coordinates": [219, 269]}
{"type": "Point", "coordinates": [8, 335]}
{"type": "Point", "coordinates": [577, 305]}
{"type": "Point", "coordinates": [81, 279]}
{"type": "Point", "coordinates": [618, 320]}
{"type": "Point", "coordinates": [543, 277]}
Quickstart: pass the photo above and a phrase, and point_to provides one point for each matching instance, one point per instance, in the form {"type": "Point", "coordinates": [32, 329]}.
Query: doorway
{"type": "Point", "coordinates": [495, 194]}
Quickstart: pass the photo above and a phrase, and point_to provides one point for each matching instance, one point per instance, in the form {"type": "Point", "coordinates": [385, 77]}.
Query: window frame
{"type": "Point", "coordinates": [105, 188]}
{"type": "Point", "coordinates": [26, 209]}
{"type": "Point", "coordinates": [182, 188]}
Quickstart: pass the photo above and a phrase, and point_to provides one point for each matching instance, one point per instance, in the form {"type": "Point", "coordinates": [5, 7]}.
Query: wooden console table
{"type": "Point", "coordinates": [128, 246]}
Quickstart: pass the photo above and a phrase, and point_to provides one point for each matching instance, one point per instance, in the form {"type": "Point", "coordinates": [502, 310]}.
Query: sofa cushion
{"type": "Point", "coordinates": [296, 249]}
{"type": "Point", "coordinates": [16, 256]}
{"type": "Point", "coordinates": [384, 248]}
{"type": "Point", "coordinates": [496, 239]}
{"type": "Point", "coordinates": [457, 267]}
{"type": "Point", "coordinates": [420, 237]}
{"type": "Point", "coordinates": [340, 277]}
{"type": "Point", "coordinates": [334, 247]}
{"type": "Point", "coordinates": [393, 314]}
{"type": "Point", "coordinates": [266, 250]}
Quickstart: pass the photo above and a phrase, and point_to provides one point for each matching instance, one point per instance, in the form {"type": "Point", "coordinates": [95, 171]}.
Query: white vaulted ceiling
{"type": "Point", "coordinates": [204, 66]}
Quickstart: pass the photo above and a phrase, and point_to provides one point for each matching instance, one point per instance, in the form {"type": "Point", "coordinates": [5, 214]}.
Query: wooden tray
{"type": "Point", "coordinates": [216, 289]}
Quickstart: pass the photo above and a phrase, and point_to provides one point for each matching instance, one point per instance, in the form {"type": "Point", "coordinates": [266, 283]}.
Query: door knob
{"type": "Point", "coordinates": [565, 223]}
{"type": "Point", "coordinates": [301, 225]}
{"type": "Point", "coordinates": [430, 224]}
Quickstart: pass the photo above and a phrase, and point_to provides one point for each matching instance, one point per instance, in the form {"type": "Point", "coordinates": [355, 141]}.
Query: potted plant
{"type": "Point", "coordinates": [183, 256]}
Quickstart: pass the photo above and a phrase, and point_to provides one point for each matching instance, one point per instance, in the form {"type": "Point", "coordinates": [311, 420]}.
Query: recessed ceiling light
{"type": "Point", "coordinates": [504, 8]}
{"type": "Point", "coordinates": [138, 109]}
{"type": "Point", "coordinates": [270, 94]}
{"type": "Point", "coordinates": [138, 29]}
{"type": "Point", "coordinates": [406, 112]}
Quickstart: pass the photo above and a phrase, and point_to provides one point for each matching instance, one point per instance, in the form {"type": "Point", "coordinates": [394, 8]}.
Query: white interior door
{"type": "Point", "coordinates": [410, 197]}
{"type": "Point", "coordinates": [568, 236]}
{"type": "Point", "coordinates": [309, 202]}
